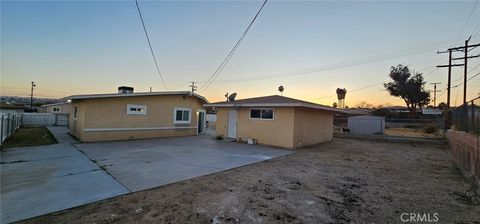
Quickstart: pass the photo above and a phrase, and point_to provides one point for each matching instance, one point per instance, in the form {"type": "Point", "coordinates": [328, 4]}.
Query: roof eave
{"type": "Point", "coordinates": [275, 105]}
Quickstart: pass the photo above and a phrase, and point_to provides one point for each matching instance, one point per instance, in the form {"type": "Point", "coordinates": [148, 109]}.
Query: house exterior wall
{"type": "Point", "coordinates": [291, 127]}
{"type": "Point", "coordinates": [106, 119]}
{"type": "Point", "coordinates": [276, 132]}
{"type": "Point", "coordinates": [312, 127]}
{"type": "Point", "coordinates": [64, 109]}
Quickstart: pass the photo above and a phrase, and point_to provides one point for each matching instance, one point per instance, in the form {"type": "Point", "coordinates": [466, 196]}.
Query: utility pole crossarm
{"type": "Point", "coordinates": [454, 65]}
{"type": "Point", "coordinates": [462, 58]}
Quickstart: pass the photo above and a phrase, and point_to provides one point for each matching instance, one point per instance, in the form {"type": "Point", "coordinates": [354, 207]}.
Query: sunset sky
{"type": "Point", "coordinates": [311, 48]}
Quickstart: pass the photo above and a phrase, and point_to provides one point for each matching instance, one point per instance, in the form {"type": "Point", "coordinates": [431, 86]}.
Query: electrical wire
{"type": "Point", "coordinates": [232, 52]}
{"type": "Point", "coordinates": [340, 65]}
{"type": "Point", "coordinates": [150, 44]}
{"type": "Point", "coordinates": [372, 85]}
{"type": "Point", "coordinates": [469, 17]}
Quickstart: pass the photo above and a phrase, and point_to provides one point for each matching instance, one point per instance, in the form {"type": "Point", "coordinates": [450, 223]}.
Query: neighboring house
{"type": "Point", "coordinates": [125, 116]}
{"type": "Point", "coordinates": [56, 108]}
{"type": "Point", "coordinates": [275, 120]}
{"type": "Point", "coordinates": [11, 108]}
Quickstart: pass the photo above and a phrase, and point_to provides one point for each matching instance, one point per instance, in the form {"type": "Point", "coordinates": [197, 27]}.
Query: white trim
{"type": "Point", "coordinates": [110, 95]}
{"type": "Point", "coordinates": [59, 110]}
{"type": "Point", "coordinates": [55, 104]}
{"type": "Point", "coordinates": [136, 112]}
{"type": "Point", "coordinates": [134, 129]}
{"type": "Point", "coordinates": [204, 120]}
{"type": "Point", "coordinates": [263, 119]}
{"type": "Point", "coordinates": [182, 109]}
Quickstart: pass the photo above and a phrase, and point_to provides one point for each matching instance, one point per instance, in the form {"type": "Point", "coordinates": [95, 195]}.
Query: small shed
{"type": "Point", "coordinates": [366, 124]}
{"type": "Point", "coordinates": [275, 120]}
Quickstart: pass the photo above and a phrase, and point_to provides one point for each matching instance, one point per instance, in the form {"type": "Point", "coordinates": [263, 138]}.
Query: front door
{"type": "Point", "coordinates": [201, 122]}
{"type": "Point", "coordinates": [232, 124]}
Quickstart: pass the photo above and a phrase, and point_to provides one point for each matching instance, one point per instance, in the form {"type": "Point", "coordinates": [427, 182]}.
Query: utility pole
{"type": "Point", "coordinates": [449, 66]}
{"type": "Point", "coordinates": [31, 97]}
{"type": "Point", "coordinates": [465, 71]}
{"type": "Point", "coordinates": [465, 49]}
{"type": "Point", "coordinates": [193, 86]}
{"type": "Point", "coordinates": [435, 93]}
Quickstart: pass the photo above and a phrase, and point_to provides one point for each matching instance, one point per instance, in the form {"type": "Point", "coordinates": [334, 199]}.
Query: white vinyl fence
{"type": "Point", "coordinates": [211, 120]}
{"type": "Point", "coordinates": [45, 119]}
{"type": "Point", "coordinates": [9, 123]}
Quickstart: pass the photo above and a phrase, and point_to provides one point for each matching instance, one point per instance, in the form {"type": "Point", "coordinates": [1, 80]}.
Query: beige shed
{"type": "Point", "coordinates": [275, 120]}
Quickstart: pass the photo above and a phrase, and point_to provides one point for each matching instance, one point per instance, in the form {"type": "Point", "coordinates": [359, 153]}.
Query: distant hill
{"type": "Point", "coordinates": [21, 100]}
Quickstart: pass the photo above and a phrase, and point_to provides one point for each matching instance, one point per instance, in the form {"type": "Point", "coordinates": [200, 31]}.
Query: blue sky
{"type": "Point", "coordinates": [77, 47]}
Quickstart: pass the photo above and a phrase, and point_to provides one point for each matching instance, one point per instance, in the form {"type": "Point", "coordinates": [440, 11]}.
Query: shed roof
{"type": "Point", "coordinates": [115, 95]}
{"type": "Point", "coordinates": [55, 104]}
{"type": "Point", "coordinates": [273, 101]}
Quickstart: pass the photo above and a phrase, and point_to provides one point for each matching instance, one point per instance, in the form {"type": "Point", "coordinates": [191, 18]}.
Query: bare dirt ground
{"type": "Point", "coordinates": [412, 132]}
{"type": "Point", "coordinates": [344, 181]}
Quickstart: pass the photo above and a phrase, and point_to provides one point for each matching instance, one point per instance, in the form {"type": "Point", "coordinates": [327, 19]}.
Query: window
{"type": "Point", "coordinates": [56, 109]}
{"type": "Point", "coordinates": [75, 110]}
{"type": "Point", "coordinates": [182, 116]}
{"type": "Point", "coordinates": [264, 114]}
{"type": "Point", "coordinates": [137, 109]}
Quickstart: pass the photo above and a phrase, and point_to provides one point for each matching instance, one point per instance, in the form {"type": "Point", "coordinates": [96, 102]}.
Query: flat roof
{"type": "Point", "coordinates": [115, 95]}
{"type": "Point", "coordinates": [273, 101]}
{"type": "Point", "coordinates": [54, 104]}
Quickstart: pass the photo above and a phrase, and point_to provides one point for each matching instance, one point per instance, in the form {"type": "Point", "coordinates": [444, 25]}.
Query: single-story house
{"type": "Point", "coordinates": [128, 115]}
{"type": "Point", "coordinates": [6, 107]}
{"type": "Point", "coordinates": [275, 120]}
{"type": "Point", "coordinates": [56, 108]}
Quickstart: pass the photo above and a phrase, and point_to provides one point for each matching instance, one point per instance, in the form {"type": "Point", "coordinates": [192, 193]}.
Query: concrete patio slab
{"type": "Point", "coordinates": [143, 164]}
{"type": "Point", "coordinates": [44, 179]}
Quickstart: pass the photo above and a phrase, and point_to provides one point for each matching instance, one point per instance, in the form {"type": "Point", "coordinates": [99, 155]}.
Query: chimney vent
{"type": "Point", "coordinates": [125, 89]}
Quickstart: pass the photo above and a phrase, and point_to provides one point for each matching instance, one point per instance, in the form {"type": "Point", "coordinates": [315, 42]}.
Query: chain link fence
{"type": "Point", "coordinates": [467, 117]}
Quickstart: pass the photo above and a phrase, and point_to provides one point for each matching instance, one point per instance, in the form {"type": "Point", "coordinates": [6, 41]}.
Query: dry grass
{"type": "Point", "coordinates": [30, 136]}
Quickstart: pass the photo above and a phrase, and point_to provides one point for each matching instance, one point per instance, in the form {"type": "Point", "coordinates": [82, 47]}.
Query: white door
{"type": "Point", "coordinates": [232, 124]}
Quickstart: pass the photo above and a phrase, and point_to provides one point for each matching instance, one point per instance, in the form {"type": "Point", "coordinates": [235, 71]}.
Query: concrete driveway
{"type": "Point", "coordinates": [44, 179]}
{"type": "Point", "coordinates": [144, 164]}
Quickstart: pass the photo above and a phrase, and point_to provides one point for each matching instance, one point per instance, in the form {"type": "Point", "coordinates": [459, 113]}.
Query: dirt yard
{"type": "Point", "coordinates": [344, 181]}
{"type": "Point", "coordinates": [412, 132]}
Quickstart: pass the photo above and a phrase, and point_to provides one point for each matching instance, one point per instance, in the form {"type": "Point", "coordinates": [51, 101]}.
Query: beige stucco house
{"type": "Point", "coordinates": [56, 108]}
{"type": "Point", "coordinates": [275, 120]}
{"type": "Point", "coordinates": [128, 115]}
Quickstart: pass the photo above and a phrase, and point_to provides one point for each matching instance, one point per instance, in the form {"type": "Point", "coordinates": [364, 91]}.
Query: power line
{"type": "Point", "coordinates": [232, 51]}
{"type": "Point", "coordinates": [369, 86]}
{"type": "Point", "coordinates": [376, 58]}
{"type": "Point", "coordinates": [469, 17]}
{"type": "Point", "coordinates": [352, 91]}
{"type": "Point", "coordinates": [150, 45]}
